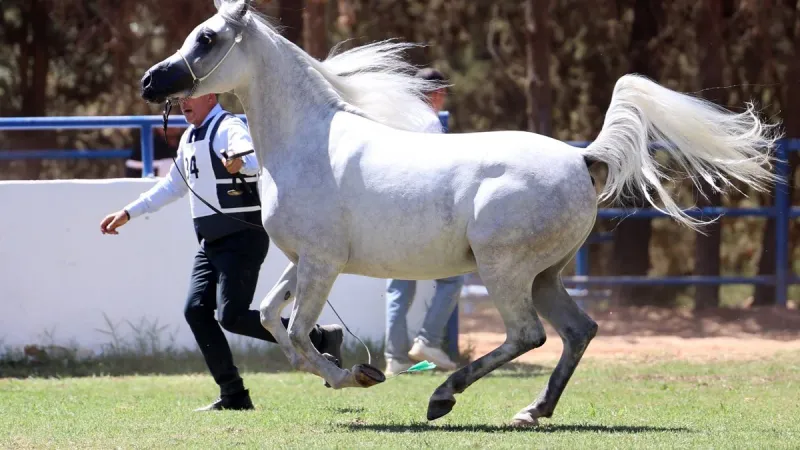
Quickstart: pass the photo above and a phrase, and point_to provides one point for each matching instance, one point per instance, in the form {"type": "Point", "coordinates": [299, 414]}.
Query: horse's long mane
{"type": "Point", "coordinates": [373, 78]}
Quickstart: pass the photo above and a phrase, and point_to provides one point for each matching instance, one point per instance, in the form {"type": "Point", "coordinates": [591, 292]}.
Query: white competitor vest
{"type": "Point", "coordinates": [203, 168]}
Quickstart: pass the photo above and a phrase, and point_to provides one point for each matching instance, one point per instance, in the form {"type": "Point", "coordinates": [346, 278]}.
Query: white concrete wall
{"type": "Point", "coordinates": [59, 275]}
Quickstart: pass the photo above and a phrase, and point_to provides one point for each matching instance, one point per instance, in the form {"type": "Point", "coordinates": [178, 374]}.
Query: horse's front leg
{"type": "Point", "coordinates": [271, 307]}
{"type": "Point", "coordinates": [314, 281]}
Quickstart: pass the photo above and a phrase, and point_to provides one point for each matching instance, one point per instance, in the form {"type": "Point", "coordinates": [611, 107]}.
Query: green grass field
{"type": "Point", "coordinates": [626, 405]}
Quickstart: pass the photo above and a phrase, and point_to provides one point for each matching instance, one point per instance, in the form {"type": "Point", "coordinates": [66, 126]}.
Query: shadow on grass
{"type": "Point", "coordinates": [421, 427]}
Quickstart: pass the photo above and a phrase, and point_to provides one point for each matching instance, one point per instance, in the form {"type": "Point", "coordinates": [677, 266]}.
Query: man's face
{"type": "Point", "coordinates": [196, 109]}
{"type": "Point", "coordinates": [437, 99]}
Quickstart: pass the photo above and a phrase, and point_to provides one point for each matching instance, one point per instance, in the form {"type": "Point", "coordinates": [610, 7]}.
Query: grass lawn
{"type": "Point", "coordinates": [752, 404]}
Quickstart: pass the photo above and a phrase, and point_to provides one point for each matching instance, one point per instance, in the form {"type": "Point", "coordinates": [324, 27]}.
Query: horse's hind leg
{"type": "Point", "coordinates": [576, 329]}
{"type": "Point", "coordinates": [510, 289]}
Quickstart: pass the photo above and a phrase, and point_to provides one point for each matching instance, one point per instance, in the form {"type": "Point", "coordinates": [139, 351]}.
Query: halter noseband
{"type": "Point", "coordinates": [195, 80]}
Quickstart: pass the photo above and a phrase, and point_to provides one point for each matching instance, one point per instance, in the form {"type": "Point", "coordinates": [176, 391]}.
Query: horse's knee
{"type": "Point", "coordinates": [296, 337]}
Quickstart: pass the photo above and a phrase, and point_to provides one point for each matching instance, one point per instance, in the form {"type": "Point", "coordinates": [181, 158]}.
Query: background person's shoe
{"type": "Point", "coordinates": [393, 367]}
{"type": "Point", "coordinates": [421, 351]}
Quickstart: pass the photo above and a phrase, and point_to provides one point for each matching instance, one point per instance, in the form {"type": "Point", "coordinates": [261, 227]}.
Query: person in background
{"type": "Point", "coordinates": [400, 293]}
{"type": "Point", "coordinates": [230, 253]}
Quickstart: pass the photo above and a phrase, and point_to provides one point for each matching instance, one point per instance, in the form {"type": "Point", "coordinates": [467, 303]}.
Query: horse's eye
{"type": "Point", "coordinates": [205, 39]}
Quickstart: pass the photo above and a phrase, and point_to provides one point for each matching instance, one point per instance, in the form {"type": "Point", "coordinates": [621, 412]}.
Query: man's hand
{"type": "Point", "coordinates": [113, 221]}
{"type": "Point", "coordinates": [233, 166]}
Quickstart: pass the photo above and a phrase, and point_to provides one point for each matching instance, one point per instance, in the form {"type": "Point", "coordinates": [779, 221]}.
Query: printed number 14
{"type": "Point", "coordinates": [191, 166]}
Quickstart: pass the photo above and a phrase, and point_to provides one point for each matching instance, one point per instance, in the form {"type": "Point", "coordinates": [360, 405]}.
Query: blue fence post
{"type": "Point", "coordinates": [147, 150]}
{"type": "Point", "coordinates": [782, 209]}
{"type": "Point", "coordinates": [582, 261]}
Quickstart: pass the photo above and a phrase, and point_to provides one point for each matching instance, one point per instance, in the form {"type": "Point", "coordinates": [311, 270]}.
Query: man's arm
{"type": "Point", "coordinates": [236, 139]}
{"type": "Point", "coordinates": [166, 191]}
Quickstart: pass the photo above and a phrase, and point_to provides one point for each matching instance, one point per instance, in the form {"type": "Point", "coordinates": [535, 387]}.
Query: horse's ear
{"type": "Point", "coordinates": [242, 7]}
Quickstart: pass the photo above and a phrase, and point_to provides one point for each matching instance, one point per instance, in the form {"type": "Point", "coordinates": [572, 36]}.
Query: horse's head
{"type": "Point", "coordinates": [208, 62]}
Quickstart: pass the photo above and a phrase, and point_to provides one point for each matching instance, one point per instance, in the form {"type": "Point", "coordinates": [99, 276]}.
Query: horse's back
{"type": "Point", "coordinates": [405, 191]}
{"type": "Point", "coordinates": [433, 151]}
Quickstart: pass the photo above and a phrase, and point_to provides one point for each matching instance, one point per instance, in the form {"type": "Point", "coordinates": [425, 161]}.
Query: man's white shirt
{"type": "Point", "coordinates": [232, 135]}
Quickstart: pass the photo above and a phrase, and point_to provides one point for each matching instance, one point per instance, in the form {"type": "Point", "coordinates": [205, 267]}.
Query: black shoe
{"type": "Point", "coordinates": [238, 401]}
{"type": "Point", "coordinates": [332, 338]}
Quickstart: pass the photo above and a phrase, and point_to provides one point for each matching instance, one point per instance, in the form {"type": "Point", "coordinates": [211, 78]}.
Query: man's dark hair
{"type": "Point", "coordinates": [431, 74]}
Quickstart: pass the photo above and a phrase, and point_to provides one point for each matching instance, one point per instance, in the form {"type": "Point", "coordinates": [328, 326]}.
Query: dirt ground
{"type": "Point", "coordinates": [653, 334]}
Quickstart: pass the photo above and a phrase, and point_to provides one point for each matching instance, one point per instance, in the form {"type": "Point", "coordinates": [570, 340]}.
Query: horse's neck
{"type": "Point", "coordinates": [284, 100]}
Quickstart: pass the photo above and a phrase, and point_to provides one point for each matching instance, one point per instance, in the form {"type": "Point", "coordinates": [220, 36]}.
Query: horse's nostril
{"type": "Point", "coordinates": [146, 80]}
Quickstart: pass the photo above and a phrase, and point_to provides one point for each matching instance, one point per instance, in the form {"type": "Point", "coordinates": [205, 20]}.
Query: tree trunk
{"type": "Point", "coordinates": [631, 251]}
{"type": "Point", "coordinates": [315, 31]}
{"type": "Point", "coordinates": [707, 247]}
{"type": "Point", "coordinates": [539, 97]}
{"type": "Point", "coordinates": [765, 294]}
{"type": "Point", "coordinates": [37, 64]}
{"type": "Point", "coordinates": [34, 66]}
{"type": "Point", "coordinates": [291, 12]}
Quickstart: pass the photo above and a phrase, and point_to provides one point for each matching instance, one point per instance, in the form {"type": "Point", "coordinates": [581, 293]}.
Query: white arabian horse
{"type": "Point", "coordinates": [349, 186]}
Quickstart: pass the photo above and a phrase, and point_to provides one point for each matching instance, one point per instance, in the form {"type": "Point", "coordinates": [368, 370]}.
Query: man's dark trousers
{"type": "Point", "coordinates": [224, 277]}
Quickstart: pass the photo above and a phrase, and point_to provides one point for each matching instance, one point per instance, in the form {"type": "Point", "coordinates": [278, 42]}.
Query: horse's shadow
{"type": "Point", "coordinates": [420, 427]}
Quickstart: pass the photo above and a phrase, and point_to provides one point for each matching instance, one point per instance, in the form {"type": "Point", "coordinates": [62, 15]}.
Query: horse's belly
{"type": "Point", "coordinates": [410, 255]}
{"type": "Point", "coordinates": [429, 269]}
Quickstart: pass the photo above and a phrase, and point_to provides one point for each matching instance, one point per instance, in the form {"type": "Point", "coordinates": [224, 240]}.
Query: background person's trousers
{"type": "Point", "coordinates": [399, 295]}
{"type": "Point", "coordinates": [224, 277]}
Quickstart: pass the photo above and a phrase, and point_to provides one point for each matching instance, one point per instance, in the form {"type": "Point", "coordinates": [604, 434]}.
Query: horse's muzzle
{"type": "Point", "coordinates": [166, 79]}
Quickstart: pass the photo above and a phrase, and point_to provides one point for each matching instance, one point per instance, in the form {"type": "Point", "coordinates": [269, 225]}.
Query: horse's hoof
{"type": "Point", "coordinates": [438, 407]}
{"type": "Point", "coordinates": [524, 420]}
{"type": "Point", "coordinates": [367, 375]}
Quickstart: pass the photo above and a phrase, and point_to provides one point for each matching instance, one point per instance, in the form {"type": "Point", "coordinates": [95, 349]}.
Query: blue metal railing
{"type": "Point", "coordinates": [144, 123]}
{"type": "Point", "coordinates": [7, 155]}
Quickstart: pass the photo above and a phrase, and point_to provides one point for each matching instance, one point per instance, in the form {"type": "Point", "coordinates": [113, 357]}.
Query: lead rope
{"type": "Point", "coordinates": [165, 119]}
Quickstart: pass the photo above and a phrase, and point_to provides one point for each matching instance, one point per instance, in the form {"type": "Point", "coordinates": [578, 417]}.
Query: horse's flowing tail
{"type": "Point", "coordinates": [706, 140]}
